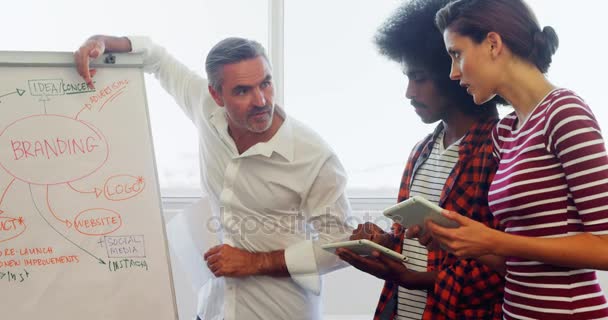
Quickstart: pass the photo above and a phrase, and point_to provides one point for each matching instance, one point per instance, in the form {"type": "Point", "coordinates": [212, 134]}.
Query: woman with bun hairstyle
{"type": "Point", "coordinates": [550, 192]}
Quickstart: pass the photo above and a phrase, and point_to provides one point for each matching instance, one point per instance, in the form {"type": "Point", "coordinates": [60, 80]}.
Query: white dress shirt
{"type": "Point", "coordinates": [277, 195]}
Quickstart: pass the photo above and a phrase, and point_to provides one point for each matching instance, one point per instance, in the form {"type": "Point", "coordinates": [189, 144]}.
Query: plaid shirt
{"type": "Point", "coordinates": [464, 288]}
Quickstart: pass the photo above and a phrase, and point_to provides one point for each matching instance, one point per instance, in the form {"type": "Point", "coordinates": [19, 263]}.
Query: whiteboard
{"type": "Point", "coordinates": [81, 228]}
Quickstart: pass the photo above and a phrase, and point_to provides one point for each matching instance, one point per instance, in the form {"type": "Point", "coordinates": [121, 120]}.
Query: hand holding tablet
{"type": "Point", "coordinates": [415, 211]}
{"type": "Point", "coordinates": [364, 247]}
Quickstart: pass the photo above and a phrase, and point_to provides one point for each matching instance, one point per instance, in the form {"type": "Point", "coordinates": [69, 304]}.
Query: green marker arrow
{"type": "Point", "coordinates": [18, 91]}
{"type": "Point", "coordinates": [59, 233]}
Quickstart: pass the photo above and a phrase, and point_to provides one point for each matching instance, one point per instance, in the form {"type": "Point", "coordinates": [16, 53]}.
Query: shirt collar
{"type": "Point", "coordinates": [478, 132]}
{"type": "Point", "coordinates": [282, 142]}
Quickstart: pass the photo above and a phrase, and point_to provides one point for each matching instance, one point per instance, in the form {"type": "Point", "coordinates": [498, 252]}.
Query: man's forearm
{"type": "Point", "coordinates": [114, 44]}
{"type": "Point", "coordinates": [272, 264]}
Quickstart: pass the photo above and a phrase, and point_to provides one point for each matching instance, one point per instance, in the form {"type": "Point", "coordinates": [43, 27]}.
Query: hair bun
{"type": "Point", "coordinates": [545, 45]}
{"type": "Point", "coordinates": [552, 40]}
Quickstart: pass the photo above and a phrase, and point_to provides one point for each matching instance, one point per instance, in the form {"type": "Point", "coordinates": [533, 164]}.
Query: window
{"type": "Point", "coordinates": [579, 63]}
{"type": "Point", "coordinates": [337, 83]}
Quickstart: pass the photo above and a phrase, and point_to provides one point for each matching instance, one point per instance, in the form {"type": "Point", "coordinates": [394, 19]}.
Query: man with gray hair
{"type": "Point", "coordinates": [271, 177]}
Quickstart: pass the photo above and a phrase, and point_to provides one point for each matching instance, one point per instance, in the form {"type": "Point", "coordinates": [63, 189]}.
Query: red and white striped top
{"type": "Point", "coordinates": [552, 181]}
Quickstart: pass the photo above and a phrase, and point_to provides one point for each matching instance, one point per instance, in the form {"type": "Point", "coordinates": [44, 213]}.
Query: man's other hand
{"type": "Point", "coordinates": [227, 261]}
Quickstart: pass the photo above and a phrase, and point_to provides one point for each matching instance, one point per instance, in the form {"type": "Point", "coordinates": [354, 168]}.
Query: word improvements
{"type": "Point", "coordinates": [28, 257]}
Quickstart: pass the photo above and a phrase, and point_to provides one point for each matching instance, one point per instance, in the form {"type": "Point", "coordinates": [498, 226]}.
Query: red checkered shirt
{"type": "Point", "coordinates": [464, 288]}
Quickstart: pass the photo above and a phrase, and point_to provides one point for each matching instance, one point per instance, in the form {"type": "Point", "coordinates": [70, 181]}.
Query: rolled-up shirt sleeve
{"type": "Point", "coordinates": [187, 87]}
{"type": "Point", "coordinates": [327, 212]}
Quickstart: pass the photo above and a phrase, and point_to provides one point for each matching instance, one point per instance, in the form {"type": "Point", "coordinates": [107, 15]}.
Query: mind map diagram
{"type": "Point", "coordinates": [57, 148]}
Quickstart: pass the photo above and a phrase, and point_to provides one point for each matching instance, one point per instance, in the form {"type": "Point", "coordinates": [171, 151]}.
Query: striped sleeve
{"type": "Point", "coordinates": [573, 136]}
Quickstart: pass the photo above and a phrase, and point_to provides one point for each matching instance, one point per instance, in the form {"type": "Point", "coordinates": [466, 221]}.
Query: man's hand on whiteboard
{"type": "Point", "coordinates": [92, 49]}
{"type": "Point", "coordinates": [227, 261]}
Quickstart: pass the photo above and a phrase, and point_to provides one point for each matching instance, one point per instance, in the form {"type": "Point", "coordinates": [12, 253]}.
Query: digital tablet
{"type": "Point", "coordinates": [415, 211]}
{"type": "Point", "coordinates": [364, 247]}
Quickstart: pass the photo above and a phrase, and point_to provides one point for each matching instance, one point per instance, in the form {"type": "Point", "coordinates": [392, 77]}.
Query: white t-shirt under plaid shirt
{"type": "Point", "coordinates": [428, 182]}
